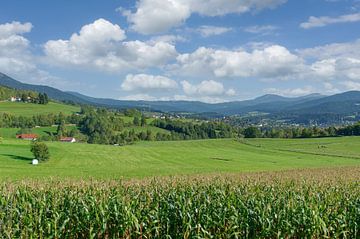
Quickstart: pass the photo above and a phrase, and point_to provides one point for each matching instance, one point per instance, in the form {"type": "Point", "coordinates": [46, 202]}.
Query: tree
{"type": "Point", "coordinates": [136, 121]}
{"type": "Point", "coordinates": [252, 132]}
{"type": "Point", "coordinates": [40, 151]}
{"type": "Point", "coordinates": [61, 130]}
{"type": "Point", "coordinates": [143, 120]}
{"type": "Point", "coordinates": [46, 98]}
{"type": "Point", "coordinates": [41, 99]}
{"type": "Point", "coordinates": [23, 97]}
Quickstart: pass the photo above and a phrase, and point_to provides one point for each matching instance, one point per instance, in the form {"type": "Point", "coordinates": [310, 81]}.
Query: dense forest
{"type": "Point", "coordinates": [301, 132]}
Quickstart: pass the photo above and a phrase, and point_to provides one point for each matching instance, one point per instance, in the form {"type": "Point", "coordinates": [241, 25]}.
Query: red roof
{"type": "Point", "coordinates": [26, 136]}
{"type": "Point", "coordinates": [67, 139]}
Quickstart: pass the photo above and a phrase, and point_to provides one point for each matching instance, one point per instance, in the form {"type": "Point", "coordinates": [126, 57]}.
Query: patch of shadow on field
{"type": "Point", "coordinates": [221, 159]}
{"type": "Point", "coordinates": [17, 157]}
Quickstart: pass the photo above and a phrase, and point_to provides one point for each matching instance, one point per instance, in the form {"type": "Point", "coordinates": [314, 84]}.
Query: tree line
{"type": "Point", "coordinates": [103, 126]}
{"type": "Point", "coordinates": [297, 132]}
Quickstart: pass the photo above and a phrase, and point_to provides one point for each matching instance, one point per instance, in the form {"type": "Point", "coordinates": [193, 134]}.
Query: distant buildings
{"type": "Point", "coordinates": [27, 136]}
{"type": "Point", "coordinates": [15, 99]}
{"type": "Point", "coordinates": [68, 139]}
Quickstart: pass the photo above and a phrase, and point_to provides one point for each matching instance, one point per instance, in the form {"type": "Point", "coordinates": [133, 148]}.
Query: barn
{"type": "Point", "coordinates": [27, 136]}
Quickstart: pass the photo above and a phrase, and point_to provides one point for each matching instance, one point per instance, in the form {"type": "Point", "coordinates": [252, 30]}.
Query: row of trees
{"type": "Point", "coordinates": [193, 130]}
{"type": "Point", "coordinates": [13, 121]}
{"type": "Point", "coordinates": [312, 132]}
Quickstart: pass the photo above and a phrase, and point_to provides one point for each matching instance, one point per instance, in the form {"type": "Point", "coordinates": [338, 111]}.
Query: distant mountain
{"type": "Point", "coordinates": [338, 105]}
{"type": "Point", "coordinates": [343, 103]}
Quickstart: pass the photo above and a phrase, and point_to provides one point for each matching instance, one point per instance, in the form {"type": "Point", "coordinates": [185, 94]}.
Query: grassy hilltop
{"type": "Point", "coordinates": [28, 109]}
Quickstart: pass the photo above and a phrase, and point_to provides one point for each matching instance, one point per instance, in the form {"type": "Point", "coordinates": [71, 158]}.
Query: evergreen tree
{"type": "Point", "coordinates": [143, 120]}
{"type": "Point", "coordinates": [61, 130]}
{"type": "Point", "coordinates": [136, 121]}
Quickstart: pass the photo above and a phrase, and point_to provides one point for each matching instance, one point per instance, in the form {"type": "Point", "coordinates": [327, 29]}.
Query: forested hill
{"type": "Point", "coordinates": [50, 91]}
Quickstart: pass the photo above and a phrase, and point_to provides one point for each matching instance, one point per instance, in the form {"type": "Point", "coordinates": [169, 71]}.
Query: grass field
{"type": "Point", "coordinates": [147, 159]}
{"type": "Point", "coordinates": [28, 109]}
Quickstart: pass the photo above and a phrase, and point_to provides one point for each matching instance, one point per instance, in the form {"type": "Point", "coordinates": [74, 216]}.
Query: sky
{"type": "Point", "coordinates": [211, 50]}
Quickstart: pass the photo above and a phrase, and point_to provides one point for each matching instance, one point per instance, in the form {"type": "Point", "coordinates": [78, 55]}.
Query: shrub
{"type": "Point", "coordinates": [40, 151]}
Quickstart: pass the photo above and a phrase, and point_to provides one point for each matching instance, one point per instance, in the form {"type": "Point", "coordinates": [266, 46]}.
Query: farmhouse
{"type": "Point", "coordinates": [68, 139]}
{"type": "Point", "coordinates": [15, 99]}
{"type": "Point", "coordinates": [27, 136]}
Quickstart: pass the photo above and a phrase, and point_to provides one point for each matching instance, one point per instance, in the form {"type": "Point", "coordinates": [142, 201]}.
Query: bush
{"type": "Point", "coordinates": [40, 151]}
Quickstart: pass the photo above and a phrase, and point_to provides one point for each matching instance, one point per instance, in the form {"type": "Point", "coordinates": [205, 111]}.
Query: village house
{"type": "Point", "coordinates": [68, 139]}
{"type": "Point", "coordinates": [27, 136]}
{"type": "Point", "coordinates": [15, 99]}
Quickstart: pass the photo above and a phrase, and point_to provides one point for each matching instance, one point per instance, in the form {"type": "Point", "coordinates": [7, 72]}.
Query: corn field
{"type": "Point", "coordinates": [255, 206]}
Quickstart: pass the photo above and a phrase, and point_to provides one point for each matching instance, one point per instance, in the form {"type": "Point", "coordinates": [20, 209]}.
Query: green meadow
{"type": "Point", "coordinates": [149, 159]}
{"type": "Point", "coordinates": [28, 109]}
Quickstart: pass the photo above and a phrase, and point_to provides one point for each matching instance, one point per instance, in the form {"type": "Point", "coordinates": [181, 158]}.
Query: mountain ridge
{"type": "Point", "coordinates": [342, 103]}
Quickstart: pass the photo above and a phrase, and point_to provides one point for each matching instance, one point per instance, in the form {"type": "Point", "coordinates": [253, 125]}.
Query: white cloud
{"type": "Point", "coordinates": [330, 88]}
{"type": "Point", "coordinates": [271, 62]}
{"type": "Point", "coordinates": [172, 39]}
{"type": "Point", "coordinates": [14, 28]}
{"type": "Point", "coordinates": [337, 68]}
{"type": "Point", "coordinates": [291, 92]}
{"type": "Point", "coordinates": [16, 59]}
{"type": "Point", "coordinates": [144, 83]}
{"type": "Point", "coordinates": [335, 61]}
{"type": "Point", "coordinates": [351, 85]}
{"type": "Point", "coordinates": [100, 45]}
{"type": "Point", "coordinates": [94, 40]}
{"type": "Point", "coordinates": [207, 31]}
{"type": "Point", "coordinates": [334, 50]}
{"type": "Point", "coordinates": [136, 97]}
{"type": "Point", "coordinates": [326, 20]}
{"type": "Point", "coordinates": [324, 68]}
{"type": "Point", "coordinates": [206, 88]}
{"type": "Point", "coordinates": [263, 30]}
{"type": "Point", "coordinates": [155, 16]}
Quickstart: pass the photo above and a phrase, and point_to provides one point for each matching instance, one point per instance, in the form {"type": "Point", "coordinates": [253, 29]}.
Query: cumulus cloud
{"type": "Point", "coordinates": [100, 45]}
{"type": "Point", "coordinates": [335, 61]}
{"type": "Point", "coordinates": [206, 88]}
{"type": "Point", "coordinates": [155, 16]}
{"type": "Point", "coordinates": [207, 31]}
{"type": "Point", "coordinates": [326, 20]}
{"type": "Point", "coordinates": [144, 83]}
{"type": "Point", "coordinates": [14, 28]}
{"type": "Point", "coordinates": [271, 62]}
{"type": "Point", "coordinates": [16, 58]}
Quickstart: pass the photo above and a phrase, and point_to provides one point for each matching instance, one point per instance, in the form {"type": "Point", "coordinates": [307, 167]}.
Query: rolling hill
{"type": "Point", "coordinates": [313, 105]}
{"type": "Point", "coordinates": [28, 109]}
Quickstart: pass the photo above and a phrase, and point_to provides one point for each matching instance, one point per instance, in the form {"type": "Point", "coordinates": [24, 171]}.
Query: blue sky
{"type": "Point", "coordinates": [212, 51]}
